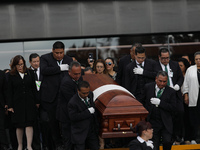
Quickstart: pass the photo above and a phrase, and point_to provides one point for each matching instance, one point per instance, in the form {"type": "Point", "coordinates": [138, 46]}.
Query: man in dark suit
{"type": "Point", "coordinates": [139, 72]}
{"type": "Point", "coordinates": [34, 60]}
{"type": "Point", "coordinates": [68, 88]}
{"type": "Point", "coordinates": [3, 108]}
{"type": "Point", "coordinates": [84, 125]}
{"type": "Point", "coordinates": [175, 80]}
{"type": "Point", "coordinates": [160, 100]}
{"type": "Point", "coordinates": [54, 67]}
{"type": "Point", "coordinates": [123, 62]}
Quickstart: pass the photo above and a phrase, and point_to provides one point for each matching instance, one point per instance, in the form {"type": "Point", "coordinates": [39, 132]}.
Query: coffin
{"type": "Point", "coordinates": [118, 108]}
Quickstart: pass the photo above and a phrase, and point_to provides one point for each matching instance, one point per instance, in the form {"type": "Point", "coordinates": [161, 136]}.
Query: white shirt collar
{"type": "Point", "coordinates": [138, 64]}
{"type": "Point", "coordinates": [140, 139]}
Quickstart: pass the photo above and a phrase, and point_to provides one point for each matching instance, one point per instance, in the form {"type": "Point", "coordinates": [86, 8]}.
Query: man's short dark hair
{"type": "Point", "coordinates": [58, 45]}
{"type": "Point", "coordinates": [136, 45]}
{"type": "Point", "coordinates": [163, 50]}
{"type": "Point", "coordinates": [140, 50]}
{"type": "Point", "coordinates": [74, 63]}
{"type": "Point", "coordinates": [162, 73]}
{"type": "Point", "coordinates": [83, 84]}
{"type": "Point", "coordinates": [33, 55]}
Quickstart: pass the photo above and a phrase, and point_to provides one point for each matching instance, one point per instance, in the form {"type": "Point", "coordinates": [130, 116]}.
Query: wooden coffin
{"type": "Point", "coordinates": [119, 110]}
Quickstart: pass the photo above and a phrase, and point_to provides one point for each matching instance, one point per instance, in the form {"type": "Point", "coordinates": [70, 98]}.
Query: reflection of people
{"type": "Point", "coordinates": [191, 95]}
{"type": "Point", "coordinates": [110, 67]}
{"type": "Point", "coordinates": [22, 100]}
{"type": "Point", "coordinates": [84, 124]}
{"type": "Point", "coordinates": [160, 101]}
{"type": "Point", "coordinates": [100, 67]}
{"type": "Point", "coordinates": [54, 67]}
{"type": "Point", "coordinates": [145, 133]}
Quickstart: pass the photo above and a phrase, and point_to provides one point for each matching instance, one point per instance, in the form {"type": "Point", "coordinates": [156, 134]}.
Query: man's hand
{"type": "Point", "coordinates": [138, 71]}
{"type": "Point", "coordinates": [186, 99]}
{"type": "Point", "coordinates": [91, 110]}
{"type": "Point", "coordinates": [176, 87]}
{"type": "Point", "coordinates": [11, 110]}
{"type": "Point", "coordinates": [155, 101]}
{"type": "Point", "coordinates": [64, 67]}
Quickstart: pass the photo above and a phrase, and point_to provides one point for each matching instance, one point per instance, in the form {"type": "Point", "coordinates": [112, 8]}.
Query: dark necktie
{"type": "Point", "coordinates": [166, 70]}
{"type": "Point", "coordinates": [35, 72]}
{"type": "Point", "coordinates": [141, 65]}
{"type": "Point", "coordinates": [86, 102]}
{"type": "Point", "coordinates": [159, 93]}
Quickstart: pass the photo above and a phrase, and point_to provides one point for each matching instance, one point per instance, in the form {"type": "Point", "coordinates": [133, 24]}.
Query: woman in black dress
{"type": "Point", "coordinates": [22, 100]}
{"type": "Point", "coordinates": [142, 142]}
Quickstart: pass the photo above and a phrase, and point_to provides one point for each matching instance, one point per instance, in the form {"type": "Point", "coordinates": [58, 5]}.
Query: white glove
{"type": "Point", "coordinates": [155, 101]}
{"type": "Point", "coordinates": [176, 87]}
{"type": "Point", "coordinates": [150, 144]}
{"type": "Point", "coordinates": [138, 70]}
{"type": "Point", "coordinates": [64, 67]}
{"type": "Point", "coordinates": [91, 110]}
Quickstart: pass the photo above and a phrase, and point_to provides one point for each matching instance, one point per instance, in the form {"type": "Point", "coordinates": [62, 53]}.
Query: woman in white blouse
{"type": "Point", "coordinates": [190, 91]}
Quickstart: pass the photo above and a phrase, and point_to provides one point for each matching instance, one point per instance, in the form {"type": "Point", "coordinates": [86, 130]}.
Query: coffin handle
{"type": "Point", "coordinates": [131, 126]}
{"type": "Point", "coordinates": [118, 126]}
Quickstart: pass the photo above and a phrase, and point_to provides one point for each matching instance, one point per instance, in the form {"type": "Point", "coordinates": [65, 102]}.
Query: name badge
{"type": "Point", "coordinates": [38, 83]}
{"type": "Point", "coordinates": [171, 73]}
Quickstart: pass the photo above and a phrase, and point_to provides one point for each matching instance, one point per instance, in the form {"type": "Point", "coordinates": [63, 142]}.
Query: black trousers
{"type": "Point", "coordinates": [92, 141]}
{"type": "Point", "coordinates": [36, 144]}
{"type": "Point", "coordinates": [66, 133]}
{"type": "Point", "coordinates": [160, 132]}
{"type": "Point", "coordinates": [53, 124]}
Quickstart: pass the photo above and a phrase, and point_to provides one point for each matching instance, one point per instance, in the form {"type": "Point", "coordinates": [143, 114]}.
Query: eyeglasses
{"type": "Point", "coordinates": [20, 65]}
{"type": "Point", "coordinates": [99, 66]}
{"type": "Point", "coordinates": [108, 63]}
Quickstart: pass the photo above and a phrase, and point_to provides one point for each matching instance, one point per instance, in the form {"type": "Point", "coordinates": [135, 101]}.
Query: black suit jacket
{"type": "Point", "coordinates": [68, 89]}
{"type": "Point", "coordinates": [167, 105]}
{"type": "Point", "coordinates": [131, 79]}
{"type": "Point", "coordinates": [3, 87]}
{"type": "Point", "coordinates": [52, 76]}
{"type": "Point", "coordinates": [136, 145]}
{"type": "Point", "coordinates": [176, 79]}
{"type": "Point", "coordinates": [81, 119]}
{"type": "Point", "coordinates": [123, 62]}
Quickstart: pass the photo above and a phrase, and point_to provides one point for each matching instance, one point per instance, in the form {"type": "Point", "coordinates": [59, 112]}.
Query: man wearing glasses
{"type": "Point", "coordinates": [175, 81]}
{"type": "Point", "coordinates": [139, 72]}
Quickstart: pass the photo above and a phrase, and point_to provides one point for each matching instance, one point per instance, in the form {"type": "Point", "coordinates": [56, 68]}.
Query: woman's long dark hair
{"type": "Point", "coordinates": [15, 62]}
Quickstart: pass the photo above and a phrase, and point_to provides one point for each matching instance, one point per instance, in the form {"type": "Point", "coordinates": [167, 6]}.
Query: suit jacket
{"type": "Point", "coordinates": [52, 76]}
{"type": "Point", "coordinates": [22, 97]}
{"type": "Point", "coordinates": [131, 79]}
{"type": "Point", "coordinates": [68, 89]}
{"type": "Point", "coordinates": [123, 62]}
{"type": "Point", "coordinates": [176, 79]}
{"type": "Point", "coordinates": [166, 108]}
{"type": "Point", "coordinates": [81, 119]}
{"type": "Point", "coordinates": [136, 145]}
{"type": "Point", "coordinates": [3, 88]}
